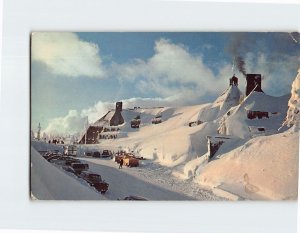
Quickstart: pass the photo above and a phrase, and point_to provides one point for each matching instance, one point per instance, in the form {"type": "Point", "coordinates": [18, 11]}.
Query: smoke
{"type": "Point", "coordinates": [236, 48]}
{"type": "Point", "coordinates": [240, 64]}
{"type": "Point", "coordinates": [277, 48]}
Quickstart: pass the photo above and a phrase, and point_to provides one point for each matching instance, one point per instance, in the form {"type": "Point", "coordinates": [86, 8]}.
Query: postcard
{"type": "Point", "coordinates": [149, 116]}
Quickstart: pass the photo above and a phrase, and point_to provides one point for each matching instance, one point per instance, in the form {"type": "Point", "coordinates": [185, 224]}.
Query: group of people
{"type": "Point", "coordinates": [56, 141]}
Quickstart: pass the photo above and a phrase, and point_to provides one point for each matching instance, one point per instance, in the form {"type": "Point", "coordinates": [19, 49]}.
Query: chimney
{"type": "Point", "coordinates": [119, 106]}
{"type": "Point", "coordinates": [117, 118]}
{"type": "Point", "coordinates": [233, 81]}
{"type": "Point", "coordinates": [253, 83]}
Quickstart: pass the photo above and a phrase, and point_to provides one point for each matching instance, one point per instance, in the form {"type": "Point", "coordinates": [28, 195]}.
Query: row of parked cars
{"type": "Point", "coordinates": [79, 169]}
{"type": "Point", "coordinates": [98, 154]}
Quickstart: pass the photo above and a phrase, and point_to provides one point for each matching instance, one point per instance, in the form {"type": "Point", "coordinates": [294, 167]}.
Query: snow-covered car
{"type": "Point", "coordinates": [77, 168]}
{"type": "Point", "coordinates": [88, 153]}
{"type": "Point", "coordinates": [106, 153]}
{"type": "Point", "coordinates": [49, 154]}
{"type": "Point", "coordinates": [69, 161]}
{"type": "Point", "coordinates": [95, 180]}
{"type": "Point", "coordinates": [53, 157]}
{"type": "Point", "coordinates": [135, 198]}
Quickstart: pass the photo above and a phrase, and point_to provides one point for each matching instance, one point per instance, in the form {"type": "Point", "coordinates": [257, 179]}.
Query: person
{"type": "Point", "coordinates": [121, 164]}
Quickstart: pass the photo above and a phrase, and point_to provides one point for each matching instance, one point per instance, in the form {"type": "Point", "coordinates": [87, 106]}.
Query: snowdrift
{"type": "Point", "coordinates": [263, 168]}
{"type": "Point", "coordinates": [293, 114]}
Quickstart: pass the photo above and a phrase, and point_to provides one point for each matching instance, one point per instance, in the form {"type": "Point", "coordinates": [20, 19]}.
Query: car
{"type": "Point", "coordinates": [49, 154]}
{"type": "Point", "coordinates": [101, 187]}
{"type": "Point", "coordinates": [135, 198]}
{"type": "Point", "coordinates": [77, 168]}
{"type": "Point", "coordinates": [69, 161]}
{"type": "Point", "coordinates": [106, 153]}
{"type": "Point", "coordinates": [95, 181]}
{"type": "Point", "coordinates": [49, 159]}
{"type": "Point", "coordinates": [91, 178]}
{"type": "Point", "coordinates": [88, 153]}
{"type": "Point", "coordinates": [96, 154]}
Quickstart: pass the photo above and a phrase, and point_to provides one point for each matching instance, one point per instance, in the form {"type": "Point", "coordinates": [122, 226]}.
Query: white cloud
{"type": "Point", "coordinates": [65, 54]}
{"type": "Point", "coordinates": [278, 73]}
{"type": "Point", "coordinates": [172, 70]}
{"type": "Point", "coordinates": [97, 111]}
{"type": "Point", "coordinates": [71, 123]}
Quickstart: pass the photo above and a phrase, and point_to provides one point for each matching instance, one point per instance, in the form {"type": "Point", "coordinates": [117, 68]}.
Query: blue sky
{"type": "Point", "coordinates": [75, 75]}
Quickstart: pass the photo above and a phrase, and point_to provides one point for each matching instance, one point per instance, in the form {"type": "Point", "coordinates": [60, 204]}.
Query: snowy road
{"type": "Point", "coordinates": [151, 181]}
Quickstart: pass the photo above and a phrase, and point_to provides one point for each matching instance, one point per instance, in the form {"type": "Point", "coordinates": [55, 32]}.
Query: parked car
{"type": "Point", "coordinates": [106, 153]}
{"type": "Point", "coordinates": [50, 158]}
{"type": "Point", "coordinates": [96, 154]}
{"type": "Point", "coordinates": [101, 187]}
{"type": "Point", "coordinates": [95, 180]}
{"type": "Point", "coordinates": [60, 161]}
{"type": "Point", "coordinates": [77, 168]}
{"type": "Point", "coordinates": [69, 161]}
{"type": "Point", "coordinates": [88, 153]}
{"type": "Point", "coordinates": [135, 198]}
{"type": "Point", "coordinates": [49, 154]}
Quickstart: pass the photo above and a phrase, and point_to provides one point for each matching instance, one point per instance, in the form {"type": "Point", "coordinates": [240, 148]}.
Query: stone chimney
{"type": "Point", "coordinates": [117, 118]}
{"type": "Point", "coordinates": [253, 83]}
{"type": "Point", "coordinates": [233, 81]}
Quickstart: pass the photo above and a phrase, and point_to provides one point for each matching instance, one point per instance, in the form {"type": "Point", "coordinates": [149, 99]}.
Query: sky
{"type": "Point", "coordinates": [77, 77]}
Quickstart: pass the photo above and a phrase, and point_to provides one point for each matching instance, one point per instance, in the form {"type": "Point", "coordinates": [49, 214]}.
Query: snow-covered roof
{"type": "Point", "coordinates": [259, 101]}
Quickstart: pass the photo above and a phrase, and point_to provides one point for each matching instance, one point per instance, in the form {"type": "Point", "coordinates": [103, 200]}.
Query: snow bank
{"type": "Point", "coordinates": [263, 168]}
{"type": "Point", "coordinates": [293, 114]}
{"type": "Point", "coordinates": [50, 183]}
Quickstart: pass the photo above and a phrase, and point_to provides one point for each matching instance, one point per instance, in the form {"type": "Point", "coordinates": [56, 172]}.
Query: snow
{"type": "Point", "coordinates": [293, 115]}
{"type": "Point", "coordinates": [237, 123]}
{"type": "Point", "coordinates": [150, 180]}
{"type": "Point", "coordinates": [262, 168]}
{"type": "Point", "coordinates": [249, 165]}
{"type": "Point", "coordinates": [51, 183]}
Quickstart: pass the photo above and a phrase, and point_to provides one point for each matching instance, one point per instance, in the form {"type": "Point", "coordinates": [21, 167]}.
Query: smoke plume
{"type": "Point", "coordinates": [276, 49]}
{"type": "Point", "coordinates": [240, 64]}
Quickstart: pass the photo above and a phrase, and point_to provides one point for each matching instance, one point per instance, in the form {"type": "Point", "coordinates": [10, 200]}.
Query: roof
{"type": "Point", "coordinates": [259, 101]}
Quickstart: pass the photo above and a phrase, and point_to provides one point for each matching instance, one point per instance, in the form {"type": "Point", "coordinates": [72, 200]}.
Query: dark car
{"type": "Point", "coordinates": [96, 154]}
{"type": "Point", "coordinates": [95, 180]}
{"type": "Point", "coordinates": [88, 153]}
{"type": "Point", "coordinates": [91, 178]}
{"type": "Point", "coordinates": [49, 154]}
{"type": "Point", "coordinates": [135, 198]}
{"type": "Point", "coordinates": [101, 187]}
{"type": "Point", "coordinates": [69, 161]}
{"type": "Point", "coordinates": [106, 153]}
{"type": "Point", "coordinates": [53, 157]}
{"type": "Point", "coordinates": [77, 168]}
